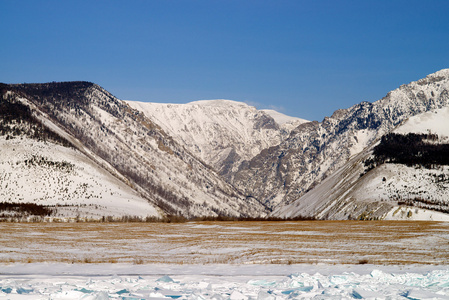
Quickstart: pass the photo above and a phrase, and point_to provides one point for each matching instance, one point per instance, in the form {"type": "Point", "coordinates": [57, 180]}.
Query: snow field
{"type": "Point", "coordinates": [396, 182]}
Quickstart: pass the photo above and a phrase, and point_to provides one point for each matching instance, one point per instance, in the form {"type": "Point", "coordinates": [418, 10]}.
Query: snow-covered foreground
{"type": "Point", "coordinates": [225, 260]}
{"type": "Point", "coordinates": [121, 281]}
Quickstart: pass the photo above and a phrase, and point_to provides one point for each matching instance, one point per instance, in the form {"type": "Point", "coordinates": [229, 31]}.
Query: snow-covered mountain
{"type": "Point", "coordinates": [388, 191]}
{"type": "Point", "coordinates": [126, 144]}
{"type": "Point", "coordinates": [220, 157]}
{"type": "Point", "coordinates": [314, 151]}
{"type": "Point", "coordinates": [222, 133]}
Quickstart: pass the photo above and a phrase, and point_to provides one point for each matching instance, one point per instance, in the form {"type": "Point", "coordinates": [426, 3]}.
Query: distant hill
{"type": "Point", "coordinates": [223, 133]}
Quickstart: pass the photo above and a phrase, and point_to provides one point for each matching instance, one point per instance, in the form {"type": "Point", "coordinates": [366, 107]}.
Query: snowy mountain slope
{"type": "Point", "coordinates": [314, 151]}
{"type": "Point", "coordinates": [47, 174]}
{"type": "Point", "coordinates": [138, 151]}
{"type": "Point", "coordinates": [389, 191]}
{"type": "Point", "coordinates": [222, 133]}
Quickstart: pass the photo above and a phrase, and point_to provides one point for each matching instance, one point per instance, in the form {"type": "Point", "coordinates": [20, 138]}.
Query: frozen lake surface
{"type": "Point", "coordinates": [126, 281]}
{"type": "Point", "coordinates": [225, 260]}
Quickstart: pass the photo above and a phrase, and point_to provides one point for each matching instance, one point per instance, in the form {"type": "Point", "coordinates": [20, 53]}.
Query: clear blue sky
{"type": "Point", "coordinates": [305, 58]}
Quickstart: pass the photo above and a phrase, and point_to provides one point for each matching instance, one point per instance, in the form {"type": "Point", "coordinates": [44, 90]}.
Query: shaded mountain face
{"type": "Point", "coordinates": [133, 148]}
{"type": "Point", "coordinates": [314, 151]}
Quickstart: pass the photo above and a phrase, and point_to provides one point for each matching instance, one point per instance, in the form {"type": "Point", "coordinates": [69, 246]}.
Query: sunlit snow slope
{"type": "Point", "coordinates": [40, 164]}
{"type": "Point", "coordinates": [48, 174]}
{"type": "Point", "coordinates": [435, 121]}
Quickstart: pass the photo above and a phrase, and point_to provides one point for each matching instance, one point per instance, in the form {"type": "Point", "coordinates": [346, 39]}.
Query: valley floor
{"type": "Point", "coordinates": [330, 242]}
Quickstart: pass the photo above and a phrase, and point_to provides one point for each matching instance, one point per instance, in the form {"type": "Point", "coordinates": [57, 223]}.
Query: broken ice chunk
{"type": "Point", "coordinates": [165, 278]}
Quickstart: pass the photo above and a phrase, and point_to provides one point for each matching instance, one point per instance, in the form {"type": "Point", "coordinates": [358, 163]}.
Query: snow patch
{"type": "Point", "coordinates": [416, 214]}
{"type": "Point", "coordinates": [436, 122]}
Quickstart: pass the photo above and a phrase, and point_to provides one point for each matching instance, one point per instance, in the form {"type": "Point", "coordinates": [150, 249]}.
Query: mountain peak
{"type": "Point", "coordinates": [442, 72]}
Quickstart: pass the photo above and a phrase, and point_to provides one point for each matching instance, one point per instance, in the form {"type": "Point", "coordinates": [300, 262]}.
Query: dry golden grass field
{"type": "Point", "coordinates": [332, 242]}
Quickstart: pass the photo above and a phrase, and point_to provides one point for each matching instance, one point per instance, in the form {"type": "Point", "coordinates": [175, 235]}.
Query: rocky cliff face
{"type": "Point", "coordinates": [314, 151]}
